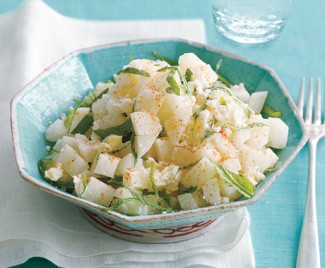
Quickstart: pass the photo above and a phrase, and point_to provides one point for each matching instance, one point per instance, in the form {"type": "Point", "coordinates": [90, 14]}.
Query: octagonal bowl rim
{"type": "Point", "coordinates": [157, 217]}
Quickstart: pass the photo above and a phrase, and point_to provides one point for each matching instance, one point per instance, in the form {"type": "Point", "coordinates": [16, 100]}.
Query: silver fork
{"type": "Point", "coordinates": [308, 253]}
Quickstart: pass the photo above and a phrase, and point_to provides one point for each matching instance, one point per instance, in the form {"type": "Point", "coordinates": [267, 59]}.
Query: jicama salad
{"type": "Point", "coordinates": [164, 136]}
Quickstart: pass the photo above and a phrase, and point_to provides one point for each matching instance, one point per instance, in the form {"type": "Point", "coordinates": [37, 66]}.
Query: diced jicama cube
{"type": "Point", "coordinates": [114, 142]}
{"type": "Point", "coordinates": [257, 100]}
{"type": "Point", "coordinates": [115, 113]}
{"type": "Point", "coordinates": [224, 146]}
{"type": "Point", "coordinates": [99, 107]}
{"type": "Point", "coordinates": [240, 92]}
{"type": "Point", "coordinates": [72, 141]}
{"type": "Point", "coordinates": [122, 193]}
{"type": "Point", "coordinates": [145, 123]}
{"type": "Point", "coordinates": [105, 164]}
{"type": "Point", "coordinates": [127, 162]}
{"type": "Point", "coordinates": [176, 105]}
{"type": "Point", "coordinates": [254, 160]}
{"type": "Point", "coordinates": [149, 100]}
{"type": "Point", "coordinates": [56, 131]}
{"type": "Point", "coordinates": [240, 137]}
{"type": "Point", "coordinates": [232, 165]}
{"type": "Point", "coordinates": [199, 197]}
{"type": "Point", "coordinates": [71, 161]}
{"type": "Point", "coordinates": [278, 133]}
{"type": "Point", "coordinates": [187, 201]}
{"type": "Point", "coordinates": [143, 143]}
{"type": "Point", "coordinates": [199, 174]}
{"type": "Point", "coordinates": [259, 136]}
{"type": "Point", "coordinates": [186, 155]}
{"type": "Point", "coordinates": [228, 191]}
{"type": "Point", "coordinates": [136, 178]}
{"type": "Point", "coordinates": [163, 148]}
{"type": "Point", "coordinates": [175, 127]}
{"type": "Point", "coordinates": [88, 149]}
{"type": "Point", "coordinates": [93, 190]}
{"type": "Point", "coordinates": [211, 192]}
{"type": "Point", "coordinates": [149, 66]}
{"type": "Point", "coordinates": [200, 70]}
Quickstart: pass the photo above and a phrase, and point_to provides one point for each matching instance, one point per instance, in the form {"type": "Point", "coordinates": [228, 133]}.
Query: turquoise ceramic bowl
{"type": "Point", "coordinates": [53, 91]}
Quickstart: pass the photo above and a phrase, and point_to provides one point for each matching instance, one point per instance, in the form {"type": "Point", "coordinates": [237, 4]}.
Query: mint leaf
{"type": "Point", "coordinates": [152, 178]}
{"type": "Point", "coordinates": [240, 183]}
{"type": "Point", "coordinates": [224, 80]}
{"type": "Point", "coordinates": [121, 130]}
{"type": "Point", "coordinates": [133, 151]}
{"type": "Point", "coordinates": [90, 98]}
{"type": "Point", "coordinates": [146, 201]}
{"type": "Point", "coordinates": [190, 165]}
{"type": "Point", "coordinates": [269, 111]}
{"type": "Point", "coordinates": [198, 111]}
{"type": "Point", "coordinates": [115, 206]}
{"type": "Point", "coordinates": [68, 120]}
{"type": "Point", "coordinates": [188, 75]}
{"type": "Point", "coordinates": [207, 134]}
{"type": "Point", "coordinates": [131, 70]}
{"type": "Point", "coordinates": [163, 58]}
{"type": "Point", "coordinates": [187, 190]}
{"type": "Point", "coordinates": [173, 86]}
{"type": "Point", "coordinates": [84, 124]}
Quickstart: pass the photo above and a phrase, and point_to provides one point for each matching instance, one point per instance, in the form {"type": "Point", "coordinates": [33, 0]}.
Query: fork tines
{"type": "Point", "coordinates": [309, 113]}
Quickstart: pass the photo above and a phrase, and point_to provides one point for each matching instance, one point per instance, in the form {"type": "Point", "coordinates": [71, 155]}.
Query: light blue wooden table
{"type": "Point", "coordinates": [299, 51]}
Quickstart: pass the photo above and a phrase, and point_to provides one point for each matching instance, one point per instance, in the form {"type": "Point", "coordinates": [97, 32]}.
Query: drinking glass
{"type": "Point", "coordinates": [250, 21]}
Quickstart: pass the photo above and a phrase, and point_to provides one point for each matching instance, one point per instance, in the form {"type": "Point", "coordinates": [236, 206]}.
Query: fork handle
{"type": "Point", "coordinates": [308, 253]}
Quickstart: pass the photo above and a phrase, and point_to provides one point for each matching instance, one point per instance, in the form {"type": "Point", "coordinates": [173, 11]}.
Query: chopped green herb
{"type": "Point", "coordinates": [209, 132]}
{"type": "Point", "coordinates": [224, 81]}
{"type": "Point", "coordinates": [184, 82]}
{"type": "Point", "coordinates": [68, 120]}
{"type": "Point", "coordinates": [256, 124]}
{"type": "Point", "coordinates": [133, 151]}
{"type": "Point", "coordinates": [132, 58]}
{"type": "Point", "coordinates": [270, 169]}
{"type": "Point", "coordinates": [173, 86]}
{"type": "Point", "coordinates": [118, 180]}
{"type": "Point", "coordinates": [166, 197]}
{"type": "Point", "coordinates": [84, 124]}
{"type": "Point", "coordinates": [188, 75]}
{"type": "Point", "coordinates": [45, 163]}
{"type": "Point", "coordinates": [190, 165]}
{"type": "Point", "coordinates": [68, 186]}
{"type": "Point", "coordinates": [118, 150]}
{"type": "Point", "coordinates": [172, 68]}
{"type": "Point", "coordinates": [222, 101]}
{"type": "Point", "coordinates": [84, 183]}
{"type": "Point", "coordinates": [152, 178]}
{"type": "Point", "coordinates": [198, 111]}
{"type": "Point", "coordinates": [146, 201]}
{"type": "Point", "coordinates": [240, 183]}
{"type": "Point", "coordinates": [90, 98]}
{"type": "Point", "coordinates": [188, 190]}
{"type": "Point", "coordinates": [131, 70]}
{"type": "Point", "coordinates": [121, 130]}
{"type": "Point", "coordinates": [269, 111]}
{"type": "Point", "coordinates": [163, 58]}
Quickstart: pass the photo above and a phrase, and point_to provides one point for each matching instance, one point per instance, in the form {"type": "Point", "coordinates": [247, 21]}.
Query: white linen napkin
{"type": "Point", "coordinates": [35, 223]}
